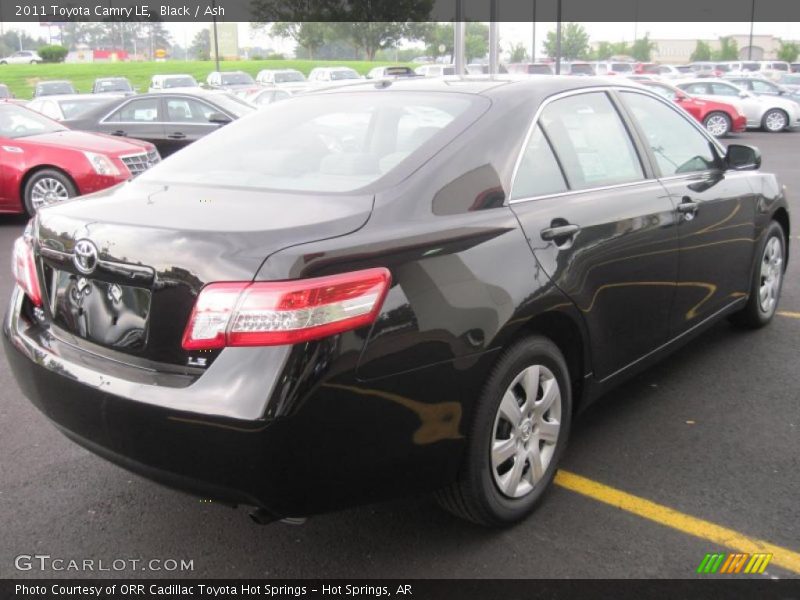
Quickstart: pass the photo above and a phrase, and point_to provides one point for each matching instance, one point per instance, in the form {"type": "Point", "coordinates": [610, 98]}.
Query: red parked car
{"type": "Point", "coordinates": [719, 118]}
{"type": "Point", "coordinates": [43, 162]}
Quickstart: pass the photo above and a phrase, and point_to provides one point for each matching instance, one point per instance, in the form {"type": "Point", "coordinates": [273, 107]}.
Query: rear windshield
{"type": "Point", "coordinates": [289, 76]}
{"type": "Point", "coordinates": [113, 85]}
{"type": "Point", "coordinates": [398, 71]}
{"type": "Point", "coordinates": [582, 69]}
{"type": "Point", "coordinates": [750, 66]}
{"type": "Point", "coordinates": [55, 88]}
{"type": "Point", "coordinates": [539, 70]}
{"type": "Point", "coordinates": [780, 66]}
{"type": "Point", "coordinates": [75, 108]}
{"type": "Point", "coordinates": [175, 82]}
{"type": "Point", "coordinates": [684, 69]}
{"type": "Point", "coordinates": [236, 79]}
{"type": "Point", "coordinates": [322, 143]}
{"type": "Point", "coordinates": [621, 67]}
{"type": "Point", "coordinates": [343, 74]}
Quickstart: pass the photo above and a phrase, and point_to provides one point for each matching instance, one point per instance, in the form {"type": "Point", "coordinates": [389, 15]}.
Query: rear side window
{"type": "Point", "coordinates": [138, 111]}
{"type": "Point", "coordinates": [720, 89]}
{"type": "Point", "coordinates": [677, 144]}
{"type": "Point", "coordinates": [538, 173]}
{"type": "Point", "coordinates": [590, 141]}
{"type": "Point", "coordinates": [695, 88]}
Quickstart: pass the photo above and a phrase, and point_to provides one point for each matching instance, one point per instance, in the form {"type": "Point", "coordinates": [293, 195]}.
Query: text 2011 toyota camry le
{"type": "Point", "coordinates": [389, 288]}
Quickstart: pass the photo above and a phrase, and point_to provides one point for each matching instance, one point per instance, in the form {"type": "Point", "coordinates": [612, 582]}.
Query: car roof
{"type": "Point", "coordinates": [165, 75]}
{"type": "Point", "coordinates": [93, 97]}
{"type": "Point", "coordinates": [487, 85]}
{"type": "Point", "coordinates": [54, 81]}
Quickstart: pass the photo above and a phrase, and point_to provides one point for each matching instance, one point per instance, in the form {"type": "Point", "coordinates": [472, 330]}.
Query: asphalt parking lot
{"type": "Point", "coordinates": [712, 433]}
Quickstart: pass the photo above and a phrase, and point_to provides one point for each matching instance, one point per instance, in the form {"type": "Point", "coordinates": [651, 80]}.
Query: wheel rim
{"type": "Point", "coordinates": [771, 274]}
{"type": "Point", "coordinates": [717, 125]}
{"type": "Point", "coordinates": [525, 432]}
{"type": "Point", "coordinates": [48, 190]}
{"type": "Point", "coordinates": [775, 120]}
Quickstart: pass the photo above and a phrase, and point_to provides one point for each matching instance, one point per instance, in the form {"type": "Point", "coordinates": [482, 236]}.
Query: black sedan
{"type": "Point", "coordinates": [170, 120]}
{"type": "Point", "coordinates": [386, 289]}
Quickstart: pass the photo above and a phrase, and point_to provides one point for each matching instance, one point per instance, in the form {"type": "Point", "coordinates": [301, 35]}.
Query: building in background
{"type": "Point", "coordinates": [765, 47]}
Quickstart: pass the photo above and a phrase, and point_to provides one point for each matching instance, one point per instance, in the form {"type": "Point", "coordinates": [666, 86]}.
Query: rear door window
{"type": "Point", "coordinates": [591, 141]}
{"type": "Point", "coordinates": [144, 110]}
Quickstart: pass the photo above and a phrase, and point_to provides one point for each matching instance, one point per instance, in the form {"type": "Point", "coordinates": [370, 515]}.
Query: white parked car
{"type": "Point", "coordinates": [674, 71]}
{"type": "Point", "coordinates": [328, 74]}
{"type": "Point", "coordinates": [279, 77]}
{"type": "Point", "coordinates": [435, 70]}
{"type": "Point", "coordinates": [172, 82]}
{"type": "Point", "coordinates": [23, 57]}
{"type": "Point", "coordinates": [771, 113]}
{"type": "Point", "coordinates": [70, 106]}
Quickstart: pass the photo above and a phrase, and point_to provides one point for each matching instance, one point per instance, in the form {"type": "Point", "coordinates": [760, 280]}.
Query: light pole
{"type": "Point", "coordinates": [494, 30]}
{"type": "Point", "coordinates": [533, 36]}
{"type": "Point", "coordinates": [216, 38]}
{"type": "Point", "coordinates": [558, 37]}
{"type": "Point", "coordinates": [750, 41]}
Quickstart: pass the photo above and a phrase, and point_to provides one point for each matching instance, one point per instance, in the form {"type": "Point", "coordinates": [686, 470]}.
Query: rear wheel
{"type": "Point", "coordinates": [518, 434]}
{"type": "Point", "coordinates": [765, 287]}
{"type": "Point", "coordinates": [775, 120]}
{"type": "Point", "coordinates": [46, 187]}
{"type": "Point", "coordinates": [717, 124]}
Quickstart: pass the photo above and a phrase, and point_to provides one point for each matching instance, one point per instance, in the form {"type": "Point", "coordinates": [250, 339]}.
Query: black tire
{"type": "Point", "coordinates": [475, 496]}
{"type": "Point", "coordinates": [718, 117]}
{"type": "Point", "coordinates": [43, 174]}
{"type": "Point", "coordinates": [774, 112]}
{"type": "Point", "coordinates": [753, 315]}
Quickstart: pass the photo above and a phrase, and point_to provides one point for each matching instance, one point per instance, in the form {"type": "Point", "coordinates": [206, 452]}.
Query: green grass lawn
{"type": "Point", "coordinates": [22, 78]}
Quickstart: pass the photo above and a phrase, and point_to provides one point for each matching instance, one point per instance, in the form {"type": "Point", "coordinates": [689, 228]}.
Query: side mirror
{"type": "Point", "coordinates": [680, 97]}
{"type": "Point", "coordinates": [219, 118]}
{"type": "Point", "coordinates": [743, 158]}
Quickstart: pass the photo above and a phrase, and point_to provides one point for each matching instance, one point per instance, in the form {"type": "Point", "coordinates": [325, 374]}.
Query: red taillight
{"type": "Point", "coordinates": [272, 313]}
{"type": "Point", "coordinates": [24, 267]}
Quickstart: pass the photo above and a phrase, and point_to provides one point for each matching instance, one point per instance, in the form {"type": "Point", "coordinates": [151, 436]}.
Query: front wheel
{"type": "Point", "coordinates": [717, 124]}
{"type": "Point", "coordinates": [46, 187]}
{"type": "Point", "coordinates": [516, 438]}
{"type": "Point", "coordinates": [775, 120]}
{"type": "Point", "coordinates": [767, 282]}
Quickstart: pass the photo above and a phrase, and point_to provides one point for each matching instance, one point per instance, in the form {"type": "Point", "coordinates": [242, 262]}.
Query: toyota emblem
{"type": "Point", "coordinates": [85, 256]}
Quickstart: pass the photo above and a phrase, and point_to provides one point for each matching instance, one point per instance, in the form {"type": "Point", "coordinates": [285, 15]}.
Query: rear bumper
{"type": "Point", "coordinates": [336, 445]}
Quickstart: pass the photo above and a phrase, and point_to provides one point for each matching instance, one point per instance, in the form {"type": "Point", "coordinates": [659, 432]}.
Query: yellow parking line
{"type": "Point", "coordinates": [788, 313]}
{"type": "Point", "coordinates": [663, 515]}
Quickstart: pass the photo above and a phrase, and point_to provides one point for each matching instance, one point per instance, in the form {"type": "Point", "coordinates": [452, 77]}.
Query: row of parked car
{"type": "Point", "coordinates": [51, 149]}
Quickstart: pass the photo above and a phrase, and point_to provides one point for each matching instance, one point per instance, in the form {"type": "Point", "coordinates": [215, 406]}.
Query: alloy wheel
{"type": "Point", "coordinates": [771, 274]}
{"type": "Point", "coordinates": [525, 432]}
{"type": "Point", "coordinates": [775, 120]}
{"type": "Point", "coordinates": [717, 125]}
{"type": "Point", "coordinates": [48, 190]}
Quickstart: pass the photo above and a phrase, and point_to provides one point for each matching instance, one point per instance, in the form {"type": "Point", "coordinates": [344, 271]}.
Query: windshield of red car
{"type": "Point", "coordinates": [17, 122]}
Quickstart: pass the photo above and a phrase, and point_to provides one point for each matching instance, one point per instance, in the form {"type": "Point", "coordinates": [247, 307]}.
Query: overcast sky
{"type": "Point", "coordinates": [510, 33]}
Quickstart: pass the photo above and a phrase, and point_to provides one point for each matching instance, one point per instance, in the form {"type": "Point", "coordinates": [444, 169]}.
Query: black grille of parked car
{"type": "Point", "coordinates": [139, 163]}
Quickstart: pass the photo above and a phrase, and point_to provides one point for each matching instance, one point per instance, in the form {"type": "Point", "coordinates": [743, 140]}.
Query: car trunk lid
{"type": "Point", "coordinates": [121, 270]}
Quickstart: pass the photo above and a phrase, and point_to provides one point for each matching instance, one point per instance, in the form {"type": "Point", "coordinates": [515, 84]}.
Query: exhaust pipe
{"type": "Point", "coordinates": [263, 517]}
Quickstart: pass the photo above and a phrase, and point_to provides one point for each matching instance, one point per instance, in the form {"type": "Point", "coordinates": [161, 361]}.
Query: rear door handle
{"type": "Point", "coordinates": [118, 132]}
{"type": "Point", "coordinates": [560, 232]}
{"type": "Point", "coordinates": [177, 136]}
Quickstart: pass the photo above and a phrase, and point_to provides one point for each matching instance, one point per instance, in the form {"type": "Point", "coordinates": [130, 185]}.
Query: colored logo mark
{"type": "Point", "coordinates": [734, 563]}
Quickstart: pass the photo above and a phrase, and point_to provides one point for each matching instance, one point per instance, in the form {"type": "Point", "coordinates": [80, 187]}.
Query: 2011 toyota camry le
{"type": "Point", "coordinates": [390, 287]}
